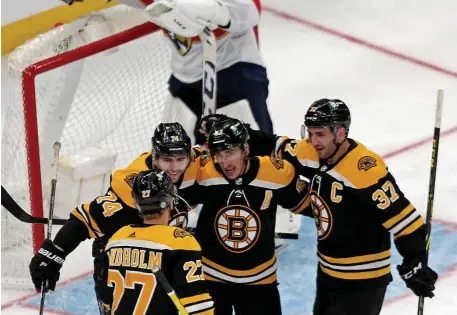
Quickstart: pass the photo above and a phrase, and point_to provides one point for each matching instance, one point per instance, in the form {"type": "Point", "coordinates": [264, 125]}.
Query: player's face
{"type": "Point", "coordinates": [174, 166]}
{"type": "Point", "coordinates": [232, 161]}
{"type": "Point", "coordinates": [323, 140]}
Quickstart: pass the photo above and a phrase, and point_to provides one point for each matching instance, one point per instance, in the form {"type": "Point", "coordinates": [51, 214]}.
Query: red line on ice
{"type": "Point", "coordinates": [358, 41]}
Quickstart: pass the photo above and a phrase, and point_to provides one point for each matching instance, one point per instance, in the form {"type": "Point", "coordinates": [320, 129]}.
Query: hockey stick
{"type": "Point", "coordinates": [55, 166]}
{"type": "Point", "coordinates": [12, 207]}
{"type": "Point", "coordinates": [431, 185]}
{"type": "Point", "coordinates": [169, 290]}
{"type": "Point", "coordinates": [209, 72]}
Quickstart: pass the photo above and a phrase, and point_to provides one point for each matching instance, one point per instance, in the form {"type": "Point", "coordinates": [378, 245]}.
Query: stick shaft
{"type": "Point", "coordinates": [431, 185]}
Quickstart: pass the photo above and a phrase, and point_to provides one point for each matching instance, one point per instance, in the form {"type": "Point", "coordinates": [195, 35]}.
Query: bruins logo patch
{"type": "Point", "coordinates": [181, 233]}
{"type": "Point", "coordinates": [130, 178]}
{"type": "Point", "coordinates": [366, 162]}
{"type": "Point", "coordinates": [279, 164]}
{"type": "Point", "coordinates": [204, 159]}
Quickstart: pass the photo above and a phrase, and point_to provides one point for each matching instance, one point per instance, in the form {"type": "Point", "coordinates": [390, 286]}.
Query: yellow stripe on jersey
{"type": "Point", "coordinates": [357, 259]}
{"type": "Point", "coordinates": [121, 179]}
{"type": "Point", "coordinates": [208, 175]}
{"type": "Point", "coordinates": [86, 208]}
{"type": "Point", "coordinates": [77, 215]}
{"type": "Point", "coordinates": [273, 173]}
{"type": "Point", "coordinates": [269, 280]}
{"type": "Point", "coordinates": [168, 236]}
{"type": "Point", "coordinates": [394, 220]}
{"type": "Point", "coordinates": [209, 278]}
{"type": "Point", "coordinates": [411, 228]}
{"type": "Point", "coordinates": [241, 273]}
{"type": "Point", "coordinates": [360, 167]}
{"type": "Point", "coordinates": [195, 299]}
{"type": "Point", "coordinates": [356, 275]}
{"type": "Point", "coordinates": [259, 275]}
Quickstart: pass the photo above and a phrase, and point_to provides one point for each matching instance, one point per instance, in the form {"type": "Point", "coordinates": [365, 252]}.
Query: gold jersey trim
{"type": "Point", "coordinates": [255, 275]}
{"type": "Point", "coordinates": [356, 275]}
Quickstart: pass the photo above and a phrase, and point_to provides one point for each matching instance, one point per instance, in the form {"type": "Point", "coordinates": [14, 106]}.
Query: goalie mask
{"type": "Point", "coordinates": [153, 192]}
{"type": "Point", "coordinates": [327, 113]}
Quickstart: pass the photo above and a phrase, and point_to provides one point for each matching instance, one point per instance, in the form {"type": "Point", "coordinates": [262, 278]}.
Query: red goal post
{"type": "Point", "coordinates": [98, 82]}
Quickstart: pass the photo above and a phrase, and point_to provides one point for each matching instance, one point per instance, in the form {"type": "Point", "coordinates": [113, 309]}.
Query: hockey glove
{"type": "Point", "coordinates": [418, 277]}
{"type": "Point", "coordinates": [45, 266]}
{"type": "Point", "coordinates": [206, 123]}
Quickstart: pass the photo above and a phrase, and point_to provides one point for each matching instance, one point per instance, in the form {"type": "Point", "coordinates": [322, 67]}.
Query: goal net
{"type": "Point", "coordinates": [99, 82]}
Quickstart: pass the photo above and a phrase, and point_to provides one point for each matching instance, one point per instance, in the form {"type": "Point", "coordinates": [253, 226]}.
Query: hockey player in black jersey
{"type": "Point", "coordinates": [101, 218]}
{"type": "Point", "coordinates": [235, 229]}
{"type": "Point", "coordinates": [134, 250]}
{"type": "Point", "coordinates": [357, 206]}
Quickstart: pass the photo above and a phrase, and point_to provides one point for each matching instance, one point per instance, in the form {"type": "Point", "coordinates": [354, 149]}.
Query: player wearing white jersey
{"type": "Point", "coordinates": [242, 83]}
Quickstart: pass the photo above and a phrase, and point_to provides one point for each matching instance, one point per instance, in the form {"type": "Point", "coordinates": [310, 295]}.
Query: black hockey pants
{"type": "Point", "coordinates": [348, 302]}
{"type": "Point", "coordinates": [245, 299]}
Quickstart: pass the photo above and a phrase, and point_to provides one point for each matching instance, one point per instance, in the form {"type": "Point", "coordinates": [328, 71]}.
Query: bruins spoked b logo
{"type": "Point", "coordinates": [237, 228]}
{"type": "Point", "coordinates": [322, 216]}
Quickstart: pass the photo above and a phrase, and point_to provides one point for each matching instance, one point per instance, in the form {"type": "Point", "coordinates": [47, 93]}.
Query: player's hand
{"type": "Point", "coordinates": [206, 122]}
{"type": "Point", "coordinates": [418, 277]}
{"type": "Point", "coordinates": [45, 266]}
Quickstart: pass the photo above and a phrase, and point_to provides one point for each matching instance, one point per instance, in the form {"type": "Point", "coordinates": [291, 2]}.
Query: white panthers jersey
{"type": "Point", "coordinates": [236, 44]}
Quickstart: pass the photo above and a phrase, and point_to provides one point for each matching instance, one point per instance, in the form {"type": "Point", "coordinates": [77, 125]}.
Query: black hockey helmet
{"type": "Point", "coordinates": [331, 113]}
{"type": "Point", "coordinates": [153, 191]}
{"type": "Point", "coordinates": [227, 134]}
{"type": "Point", "coordinates": [170, 139]}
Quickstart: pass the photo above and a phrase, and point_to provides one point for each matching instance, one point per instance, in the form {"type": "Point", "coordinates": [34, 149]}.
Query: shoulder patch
{"type": "Point", "coordinates": [204, 159]}
{"type": "Point", "coordinates": [130, 178]}
{"type": "Point", "coordinates": [181, 233]}
{"type": "Point", "coordinates": [279, 164]}
{"type": "Point", "coordinates": [366, 162]}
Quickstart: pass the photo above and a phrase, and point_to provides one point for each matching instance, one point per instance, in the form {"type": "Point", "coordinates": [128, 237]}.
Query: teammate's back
{"type": "Point", "coordinates": [134, 251]}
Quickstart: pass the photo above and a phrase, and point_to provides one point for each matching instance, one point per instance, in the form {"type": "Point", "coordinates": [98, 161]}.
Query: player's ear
{"type": "Point", "coordinates": [341, 134]}
{"type": "Point", "coordinates": [247, 151]}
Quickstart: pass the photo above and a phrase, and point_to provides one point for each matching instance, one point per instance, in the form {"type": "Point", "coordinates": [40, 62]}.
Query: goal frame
{"type": "Point", "coordinates": [30, 112]}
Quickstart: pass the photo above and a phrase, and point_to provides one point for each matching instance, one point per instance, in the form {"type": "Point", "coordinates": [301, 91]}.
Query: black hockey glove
{"type": "Point", "coordinates": [206, 122]}
{"type": "Point", "coordinates": [418, 277]}
{"type": "Point", "coordinates": [46, 264]}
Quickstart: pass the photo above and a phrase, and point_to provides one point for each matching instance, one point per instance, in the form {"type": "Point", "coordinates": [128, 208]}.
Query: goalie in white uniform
{"type": "Point", "coordinates": [242, 83]}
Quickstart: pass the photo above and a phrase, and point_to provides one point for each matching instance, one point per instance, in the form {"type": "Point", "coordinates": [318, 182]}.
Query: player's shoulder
{"type": "Point", "coordinates": [275, 171]}
{"type": "Point", "coordinates": [122, 179]}
{"type": "Point", "coordinates": [362, 167]}
{"type": "Point", "coordinates": [207, 170]}
{"type": "Point", "coordinates": [160, 237]}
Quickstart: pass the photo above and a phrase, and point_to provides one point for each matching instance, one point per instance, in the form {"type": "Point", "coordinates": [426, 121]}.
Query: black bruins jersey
{"type": "Point", "coordinates": [107, 214]}
{"type": "Point", "coordinates": [132, 253]}
{"type": "Point", "coordinates": [356, 205]}
{"type": "Point", "coordinates": [237, 221]}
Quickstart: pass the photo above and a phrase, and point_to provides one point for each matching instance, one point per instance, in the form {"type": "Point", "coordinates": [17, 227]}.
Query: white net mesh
{"type": "Point", "coordinates": [111, 100]}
